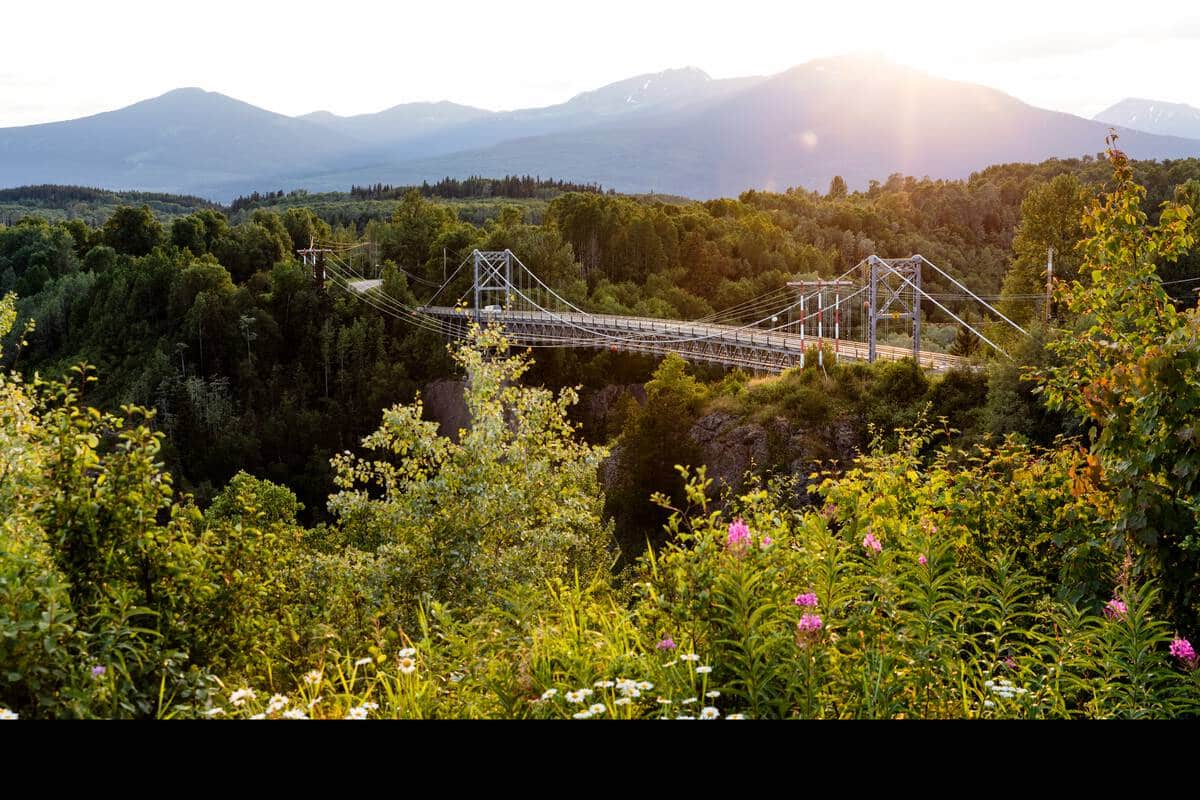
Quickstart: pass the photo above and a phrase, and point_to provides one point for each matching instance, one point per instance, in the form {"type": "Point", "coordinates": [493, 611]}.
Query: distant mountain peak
{"type": "Point", "coordinates": [1153, 116]}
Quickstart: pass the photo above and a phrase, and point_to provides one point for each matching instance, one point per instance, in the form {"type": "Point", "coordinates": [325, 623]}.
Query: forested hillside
{"type": "Point", "coordinates": [934, 573]}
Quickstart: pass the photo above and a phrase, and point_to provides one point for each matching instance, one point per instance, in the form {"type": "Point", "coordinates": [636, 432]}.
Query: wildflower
{"type": "Point", "coordinates": [922, 560]}
{"type": "Point", "coordinates": [1114, 609]}
{"type": "Point", "coordinates": [666, 643]}
{"type": "Point", "coordinates": [582, 715]}
{"type": "Point", "coordinates": [277, 703]}
{"type": "Point", "coordinates": [685, 717]}
{"type": "Point", "coordinates": [1183, 650]}
{"type": "Point", "coordinates": [871, 543]}
{"type": "Point", "coordinates": [241, 696]}
{"type": "Point", "coordinates": [313, 677]}
{"type": "Point", "coordinates": [576, 697]}
{"type": "Point", "coordinates": [98, 670]}
{"type": "Point", "coordinates": [806, 600]}
{"type": "Point", "coordinates": [627, 687]}
{"type": "Point", "coordinates": [809, 623]}
{"type": "Point", "coordinates": [703, 670]}
{"type": "Point", "coordinates": [358, 712]}
{"type": "Point", "coordinates": [546, 695]}
{"type": "Point", "coordinates": [988, 704]}
{"type": "Point", "coordinates": [407, 652]}
{"type": "Point", "coordinates": [735, 716]}
{"type": "Point", "coordinates": [586, 692]}
{"type": "Point", "coordinates": [671, 663]}
{"type": "Point", "coordinates": [767, 541]}
{"type": "Point", "coordinates": [645, 686]}
{"type": "Point", "coordinates": [215, 711]}
{"type": "Point", "coordinates": [604, 684]}
{"type": "Point", "coordinates": [597, 708]}
{"type": "Point", "coordinates": [664, 701]}
{"type": "Point", "coordinates": [739, 537]}
{"type": "Point", "coordinates": [313, 702]}
{"type": "Point", "coordinates": [362, 662]}
{"type": "Point", "coordinates": [369, 706]}
{"type": "Point", "coordinates": [689, 701]}
{"type": "Point", "coordinates": [259, 716]}
{"type": "Point", "coordinates": [689, 657]}
{"type": "Point", "coordinates": [709, 712]}
{"type": "Point", "coordinates": [294, 713]}
{"type": "Point", "coordinates": [623, 701]}
{"type": "Point", "coordinates": [713, 695]}
{"type": "Point", "coordinates": [1010, 662]}
{"type": "Point", "coordinates": [407, 665]}
{"type": "Point", "coordinates": [8, 714]}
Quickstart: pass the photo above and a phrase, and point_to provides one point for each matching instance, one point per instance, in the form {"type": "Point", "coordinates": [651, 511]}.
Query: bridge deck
{"type": "Point", "coordinates": [760, 351]}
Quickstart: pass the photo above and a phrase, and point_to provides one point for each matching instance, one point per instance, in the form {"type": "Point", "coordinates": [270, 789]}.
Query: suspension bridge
{"type": "Point", "coordinates": [837, 318]}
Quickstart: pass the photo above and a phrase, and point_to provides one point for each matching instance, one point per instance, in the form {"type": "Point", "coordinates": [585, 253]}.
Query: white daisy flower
{"type": "Point", "coordinates": [664, 701]}
{"type": "Point", "coordinates": [575, 697]}
{"type": "Point", "coordinates": [597, 708]}
{"type": "Point", "coordinates": [689, 657]}
{"type": "Point", "coordinates": [358, 712]}
{"type": "Point", "coordinates": [241, 696]}
{"type": "Point", "coordinates": [294, 713]}
{"type": "Point", "coordinates": [622, 701]}
{"type": "Point", "coordinates": [362, 662]}
{"type": "Point", "coordinates": [212, 712]}
{"type": "Point", "coordinates": [685, 717]}
{"type": "Point", "coordinates": [582, 715]}
{"type": "Point", "coordinates": [735, 716]}
{"type": "Point", "coordinates": [546, 695]}
{"type": "Point", "coordinates": [713, 695]}
{"type": "Point", "coordinates": [313, 677]}
{"type": "Point", "coordinates": [689, 701]}
{"type": "Point", "coordinates": [586, 692]}
{"type": "Point", "coordinates": [604, 684]}
{"type": "Point", "coordinates": [314, 701]}
{"type": "Point", "coordinates": [259, 716]}
{"type": "Point", "coordinates": [988, 704]}
{"type": "Point", "coordinates": [6, 713]}
{"type": "Point", "coordinates": [645, 686]}
{"type": "Point", "coordinates": [407, 665]}
{"type": "Point", "coordinates": [408, 652]}
{"type": "Point", "coordinates": [703, 670]}
{"type": "Point", "coordinates": [277, 703]}
{"type": "Point", "coordinates": [369, 706]}
{"type": "Point", "coordinates": [709, 712]}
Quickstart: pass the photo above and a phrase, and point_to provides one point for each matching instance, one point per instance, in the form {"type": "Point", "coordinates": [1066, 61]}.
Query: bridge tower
{"type": "Point", "coordinates": [894, 283]}
{"type": "Point", "coordinates": [314, 258]}
{"type": "Point", "coordinates": [493, 277]}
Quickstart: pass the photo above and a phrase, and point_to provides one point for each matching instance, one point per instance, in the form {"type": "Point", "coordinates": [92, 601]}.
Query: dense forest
{"type": "Point", "coordinates": [230, 505]}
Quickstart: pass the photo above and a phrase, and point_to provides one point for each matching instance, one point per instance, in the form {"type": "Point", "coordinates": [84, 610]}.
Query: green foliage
{"type": "Point", "coordinates": [1129, 370]}
{"type": "Point", "coordinates": [514, 500]}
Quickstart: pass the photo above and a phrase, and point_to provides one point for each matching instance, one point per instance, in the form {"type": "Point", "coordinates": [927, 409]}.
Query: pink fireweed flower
{"type": "Point", "coordinates": [667, 643]}
{"type": "Point", "coordinates": [1115, 609]}
{"type": "Point", "coordinates": [767, 541]}
{"type": "Point", "coordinates": [922, 560]}
{"type": "Point", "coordinates": [1183, 650]}
{"type": "Point", "coordinates": [871, 543]}
{"type": "Point", "coordinates": [809, 623]}
{"type": "Point", "coordinates": [807, 600]}
{"type": "Point", "coordinates": [739, 537]}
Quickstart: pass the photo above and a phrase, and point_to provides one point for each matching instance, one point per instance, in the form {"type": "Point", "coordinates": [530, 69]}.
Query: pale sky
{"type": "Point", "coordinates": [61, 60]}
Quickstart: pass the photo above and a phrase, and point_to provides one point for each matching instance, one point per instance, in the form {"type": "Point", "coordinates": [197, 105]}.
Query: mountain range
{"type": "Point", "coordinates": [1154, 116]}
{"type": "Point", "coordinates": [678, 131]}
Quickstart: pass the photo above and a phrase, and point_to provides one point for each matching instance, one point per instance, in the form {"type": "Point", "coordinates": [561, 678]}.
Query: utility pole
{"type": "Point", "coordinates": [1049, 280]}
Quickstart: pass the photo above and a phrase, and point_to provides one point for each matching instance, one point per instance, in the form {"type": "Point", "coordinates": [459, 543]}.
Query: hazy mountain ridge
{"type": "Point", "coordinates": [677, 131]}
{"type": "Point", "coordinates": [1154, 116]}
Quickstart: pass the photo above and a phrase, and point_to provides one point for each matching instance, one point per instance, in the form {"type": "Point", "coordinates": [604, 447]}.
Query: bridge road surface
{"type": "Point", "coordinates": [749, 348]}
